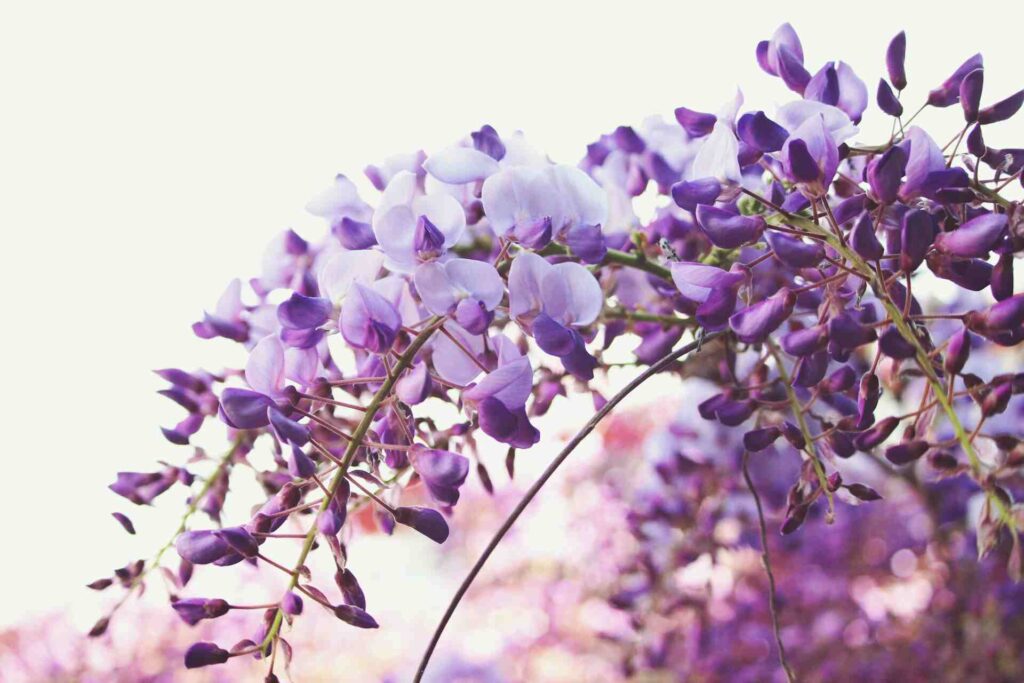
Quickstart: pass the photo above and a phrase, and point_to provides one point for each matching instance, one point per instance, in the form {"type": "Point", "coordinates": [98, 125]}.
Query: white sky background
{"type": "Point", "coordinates": [148, 154]}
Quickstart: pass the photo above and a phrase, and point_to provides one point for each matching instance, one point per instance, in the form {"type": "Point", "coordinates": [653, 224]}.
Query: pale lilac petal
{"type": "Point", "coordinates": [301, 365]}
{"type": "Point", "coordinates": [457, 165]}
{"type": "Point", "coordinates": [717, 157]}
{"type": "Point", "coordinates": [793, 114]}
{"type": "Point", "coordinates": [445, 212]}
{"type": "Point", "coordinates": [504, 197]}
{"type": "Point", "coordinates": [265, 368]}
{"type": "Point", "coordinates": [341, 198]}
{"type": "Point", "coordinates": [450, 362]}
{"type": "Point", "coordinates": [395, 230]}
{"type": "Point", "coordinates": [477, 279]}
{"type": "Point", "coordinates": [696, 280]}
{"type": "Point", "coordinates": [511, 384]}
{"type": "Point", "coordinates": [229, 306]}
{"type": "Point", "coordinates": [347, 268]}
{"type": "Point", "coordinates": [525, 276]}
{"type": "Point", "coordinates": [571, 294]}
{"type": "Point", "coordinates": [434, 287]}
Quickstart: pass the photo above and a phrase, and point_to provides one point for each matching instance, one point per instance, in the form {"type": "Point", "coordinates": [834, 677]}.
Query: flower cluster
{"type": "Point", "coordinates": [487, 277]}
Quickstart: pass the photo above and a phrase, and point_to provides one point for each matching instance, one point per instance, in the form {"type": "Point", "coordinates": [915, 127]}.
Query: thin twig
{"type": "Point", "coordinates": [773, 607]}
{"type": "Point", "coordinates": [535, 489]}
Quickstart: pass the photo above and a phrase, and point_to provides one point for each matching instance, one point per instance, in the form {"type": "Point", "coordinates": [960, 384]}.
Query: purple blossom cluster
{"type": "Point", "coordinates": [487, 277]}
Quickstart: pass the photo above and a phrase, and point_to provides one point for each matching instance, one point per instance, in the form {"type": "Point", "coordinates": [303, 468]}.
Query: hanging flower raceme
{"type": "Point", "coordinates": [851, 302]}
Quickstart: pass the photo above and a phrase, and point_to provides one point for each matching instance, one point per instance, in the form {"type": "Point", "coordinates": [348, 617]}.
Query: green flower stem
{"type": "Point", "coordinates": [921, 356]}
{"type": "Point", "coordinates": [798, 412]}
{"type": "Point", "coordinates": [193, 506]}
{"type": "Point", "coordinates": [403, 362]}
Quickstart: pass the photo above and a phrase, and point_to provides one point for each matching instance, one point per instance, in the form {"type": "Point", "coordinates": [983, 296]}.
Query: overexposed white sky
{"type": "Point", "coordinates": [148, 153]}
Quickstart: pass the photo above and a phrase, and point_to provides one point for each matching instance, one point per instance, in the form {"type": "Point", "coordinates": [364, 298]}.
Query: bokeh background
{"type": "Point", "coordinates": [149, 152]}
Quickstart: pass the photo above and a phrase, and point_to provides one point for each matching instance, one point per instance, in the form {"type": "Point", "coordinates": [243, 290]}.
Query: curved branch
{"type": "Point", "coordinates": [654, 369]}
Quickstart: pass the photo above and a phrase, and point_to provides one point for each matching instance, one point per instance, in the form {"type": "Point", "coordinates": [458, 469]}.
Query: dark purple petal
{"type": "Point", "coordinates": [975, 238]}
{"type": "Point", "coordinates": [793, 251]}
{"type": "Point", "coordinates": [885, 173]}
{"type": "Point", "coordinates": [330, 520]}
{"type": "Point", "coordinates": [123, 520]}
{"type": "Point", "coordinates": [1002, 277]}
{"type": "Point", "coordinates": [205, 654]}
{"type": "Point", "coordinates": [863, 492]}
{"type": "Point", "coordinates": [810, 370]}
{"type": "Point", "coordinates": [895, 60]}
{"type": "Point", "coordinates": [792, 71]}
{"type": "Point", "coordinates": [760, 132]}
{"type": "Point", "coordinates": [949, 92]}
{"type": "Point", "coordinates": [245, 409]}
{"type": "Point", "coordinates": [586, 242]}
{"type": "Point", "coordinates": [552, 337]}
{"type": "Point", "coordinates": [353, 234]}
{"type": "Point", "coordinates": [300, 465]}
{"type": "Point", "coordinates": [351, 592]}
{"type": "Point", "coordinates": [759, 439]}
{"type": "Point", "coordinates": [353, 616]}
{"type": "Point", "coordinates": [427, 521]}
{"type": "Point", "coordinates": [916, 236]}
{"type": "Point", "coordinates": [240, 540]}
{"type": "Point", "coordinates": [754, 323]}
{"type": "Point", "coordinates": [688, 194]}
{"type": "Point", "coordinates": [840, 380]}
{"type": "Point", "coordinates": [970, 94]}
{"type": "Point", "coordinates": [696, 124]}
{"type": "Point", "coordinates": [726, 229]}
{"type": "Point", "coordinates": [867, 440]}
{"type": "Point", "coordinates": [886, 99]}
{"type": "Point", "coordinates": [894, 345]}
{"type": "Point", "coordinates": [288, 430]}
{"type": "Point", "coordinates": [443, 472]}
{"type": "Point", "coordinates": [848, 209]}
{"type": "Point", "coordinates": [847, 333]}
{"type": "Point", "coordinates": [1002, 110]}
{"type": "Point", "coordinates": [201, 547]}
{"type": "Point", "coordinates": [489, 142]}
{"type": "Point", "coordinates": [905, 453]}
{"type": "Point", "coordinates": [806, 341]}
{"type": "Point", "coordinates": [301, 312]}
{"type": "Point", "coordinates": [957, 351]}
{"type": "Point", "coordinates": [194, 610]}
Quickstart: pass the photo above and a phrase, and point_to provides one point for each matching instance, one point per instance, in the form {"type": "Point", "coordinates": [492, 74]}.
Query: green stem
{"type": "Point", "coordinates": [401, 364]}
{"type": "Point", "coordinates": [190, 510]}
{"type": "Point", "coordinates": [798, 413]}
{"type": "Point", "coordinates": [921, 356]}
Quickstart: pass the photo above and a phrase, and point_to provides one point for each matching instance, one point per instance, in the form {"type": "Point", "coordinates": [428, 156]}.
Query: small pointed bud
{"type": "Point", "coordinates": [1002, 110]}
{"type": "Point", "coordinates": [848, 333]}
{"type": "Point", "coordinates": [291, 604]}
{"type": "Point", "coordinates": [100, 584]}
{"type": "Point", "coordinates": [916, 236]}
{"type": "Point", "coordinates": [949, 92]}
{"type": "Point", "coordinates": [862, 492]}
{"type": "Point", "coordinates": [99, 628]}
{"type": "Point", "coordinates": [942, 460]}
{"type": "Point", "coordinates": [840, 380]}
{"type": "Point", "coordinates": [976, 142]}
{"type": "Point", "coordinates": [355, 616]}
{"type": "Point", "coordinates": [205, 654]}
{"type": "Point", "coordinates": [894, 345]}
{"type": "Point", "coordinates": [427, 521]}
{"type": "Point", "coordinates": [885, 174]}
{"type": "Point", "coordinates": [759, 439]}
{"type": "Point", "coordinates": [688, 194]}
{"type": "Point", "coordinates": [970, 94]}
{"type": "Point", "coordinates": [794, 519]}
{"type": "Point", "coordinates": [887, 100]}
{"type": "Point", "coordinates": [351, 592]}
{"type": "Point", "coordinates": [726, 229]}
{"type": "Point", "coordinates": [696, 124]}
{"type": "Point", "coordinates": [793, 435]}
{"type": "Point", "coordinates": [1003, 316]}
{"type": "Point", "coordinates": [997, 399]}
{"type": "Point", "coordinates": [1001, 282]}
{"type": "Point", "coordinates": [835, 480]}
{"type": "Point", "coordinates": [194, 610]}
{"type": "Point", "coordinates": [906, 452]}
{"type": "Point", "coordinates": [806, 341]}
{"type": "Point", "coordinates": [841, 444]}
{"type": "Point", "coordinates": [957, 351]}
{"type": "Point", "coordinates": [867, 440]}
{"type": "Point", "coordinates": [895, 60]}
{"type": "Point", "coordinates": [123, 520]}
{"type": "Point", "coordinates": [864, 240]}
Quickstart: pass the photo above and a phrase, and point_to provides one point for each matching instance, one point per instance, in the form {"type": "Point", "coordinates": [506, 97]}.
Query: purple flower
{"type": "Point", "coordinates": [428, 522]}
{"type": "Point", "coordinates": [885, 174]}
{"type": "Point", "coordinates": [369, 321]}
{"type": "Point", "coordinates": [397, 221]}
{"type": "Point", "coordinates": [194, 610]}
{"type": "Point", "coordinates": [447, 287]}
{"type": "Point", "coordinates": [1002, 110]}
{"type": "Point", "coordinates": [205, 654]}
{"type": "Point", "coordinates": [457, 165]}
{"type": "Point", "coordinates": [726, 229]}
{"type": "Point", "coordinates": [895, 60]}
{"type": "Point", "coordinates": [810, 157]}
{"type": "Point", "coordinates": [783, 56]}
{"type": "Point", "coordinates": [443, 472]}
{"type": "Point", "coordinates": [887, 100]}
{"type": "Point", "coordinates": [838, 85]}
{"type": "Point", "coordinates": [975, 238]}
{"type": "Point", "coordinates": [949, 92]}
{"type": "Point", "coordinates": [500, 401]}
{"type": "Point", "coordinates": [753, 324]}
